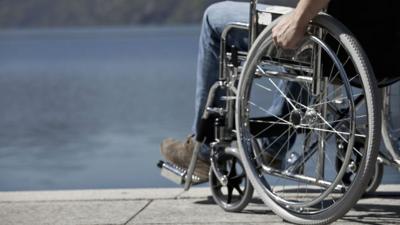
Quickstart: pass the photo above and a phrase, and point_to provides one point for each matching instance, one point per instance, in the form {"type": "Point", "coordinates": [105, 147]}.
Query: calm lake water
{"type": "Point", "coordinates": [88, 108]}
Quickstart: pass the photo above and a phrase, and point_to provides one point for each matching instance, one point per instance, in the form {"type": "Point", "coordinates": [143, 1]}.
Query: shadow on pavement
{"type": "Point", "coordinates": [373, 209]}
{"type": "Point", "coordinates": [248, 210]}
{"type": "Point", "coordinates": [374, 214]}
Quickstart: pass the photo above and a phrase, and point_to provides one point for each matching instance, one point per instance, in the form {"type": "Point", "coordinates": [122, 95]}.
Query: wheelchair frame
{"type": "Point", "coordinates": [225, 133]}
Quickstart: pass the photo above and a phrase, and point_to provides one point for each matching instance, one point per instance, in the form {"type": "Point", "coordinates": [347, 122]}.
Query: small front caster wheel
{"type": "Point", "coordinates": [237, 193]}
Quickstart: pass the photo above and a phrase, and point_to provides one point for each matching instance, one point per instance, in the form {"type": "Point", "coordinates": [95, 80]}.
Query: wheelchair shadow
{"type": "Point", "coordinates": [248, 210]}
{"type": "Point", "coordinates": [371, 209]}
{"type": "Point", "coordinates": [374, 214]}
{"type": "Point", "coordinates": [376, 211]}
{"type": "Point", "coordinates": [384, 194]}
{"type": "Point", "coordinates": [210, 201]}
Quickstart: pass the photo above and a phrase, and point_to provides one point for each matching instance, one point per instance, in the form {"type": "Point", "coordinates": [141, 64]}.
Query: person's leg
{"type": "Point", "coordinates": [215, 19]}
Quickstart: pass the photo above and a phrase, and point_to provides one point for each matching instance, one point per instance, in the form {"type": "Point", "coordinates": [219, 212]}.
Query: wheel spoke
{"type": "Point", "coordinates": [237, 187]}
{"type": "Point", "coordinates": [339, 133]}
{"type": "Point", "coordinates": [217, 186]}
{"type": "Point", "coordinates": [237, 178]}
{"type": "Point", "coordinates": [230, 193]}
{"type": "Point", "coordinates": [232, 172]}
{"type": "Point", "coordinates": [269, 113]}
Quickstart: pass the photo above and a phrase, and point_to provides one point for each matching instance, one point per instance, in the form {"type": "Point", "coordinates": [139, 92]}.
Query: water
{"type": "Point", "coordinates": [88, 108]}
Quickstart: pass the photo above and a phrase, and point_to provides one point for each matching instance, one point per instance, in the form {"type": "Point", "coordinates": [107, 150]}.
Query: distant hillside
{"type": "Point", "coordinates": [55, 13]}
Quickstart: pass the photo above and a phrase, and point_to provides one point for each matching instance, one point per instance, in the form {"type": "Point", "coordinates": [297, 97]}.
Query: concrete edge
{"type": "Point", "coordinates": [123, 194]}
{"type": "Point", "coordinates": [103, 194]}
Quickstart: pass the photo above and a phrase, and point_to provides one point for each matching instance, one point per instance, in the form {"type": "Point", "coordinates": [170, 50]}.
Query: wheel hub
{"type": "Point", "coordinates": [310, 117]}
{"type": "Point", "coordinates": [296, 117]}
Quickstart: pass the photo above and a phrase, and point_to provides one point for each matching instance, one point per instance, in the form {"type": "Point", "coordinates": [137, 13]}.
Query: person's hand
{"type": "Point", "coordinates": [289, 32]}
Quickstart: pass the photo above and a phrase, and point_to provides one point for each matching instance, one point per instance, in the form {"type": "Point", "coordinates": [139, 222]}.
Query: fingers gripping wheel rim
{"type": "Point", "coordinates": [303, 133]}
{"type": "Point", "coordinates": [236, 195]}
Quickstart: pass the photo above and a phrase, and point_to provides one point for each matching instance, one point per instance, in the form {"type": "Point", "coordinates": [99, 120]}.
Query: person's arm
{"type": "Point", "coordinates": [291, 29]}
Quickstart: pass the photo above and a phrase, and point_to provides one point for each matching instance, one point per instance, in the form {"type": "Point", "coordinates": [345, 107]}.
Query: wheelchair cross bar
{"type": "Point", "coordinates": [253, 22]}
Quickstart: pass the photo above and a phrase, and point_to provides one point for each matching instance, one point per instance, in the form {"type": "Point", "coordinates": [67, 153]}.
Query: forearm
{"type": "Point", "coordinates": [308, 9]}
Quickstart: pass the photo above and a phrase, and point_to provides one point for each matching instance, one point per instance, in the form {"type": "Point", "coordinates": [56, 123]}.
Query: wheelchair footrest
{"type": "Point", "coordinates": [175, 173]}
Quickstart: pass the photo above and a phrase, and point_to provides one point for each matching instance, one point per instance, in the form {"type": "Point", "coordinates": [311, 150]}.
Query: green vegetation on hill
{"type": "Point", "coordinates": [56, 13]}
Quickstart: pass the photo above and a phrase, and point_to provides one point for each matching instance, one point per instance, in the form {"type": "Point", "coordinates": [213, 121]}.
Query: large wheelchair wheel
{"type": "Point", "coordinates": [322, 92]}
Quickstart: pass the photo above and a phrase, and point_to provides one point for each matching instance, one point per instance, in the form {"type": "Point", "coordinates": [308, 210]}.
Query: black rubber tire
{"type": "Point", "coordinates": [375, 180]}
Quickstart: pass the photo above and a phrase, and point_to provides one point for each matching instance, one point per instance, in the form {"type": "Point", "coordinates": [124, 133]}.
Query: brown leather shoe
{"type": "Point", "coordinates": [180, 154]}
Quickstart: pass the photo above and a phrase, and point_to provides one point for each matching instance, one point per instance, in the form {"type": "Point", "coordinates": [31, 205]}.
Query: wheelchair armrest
{"type": "Point", "coordinates": [279, 10]}
{"type": "Point", "coordinates": [270, 12]}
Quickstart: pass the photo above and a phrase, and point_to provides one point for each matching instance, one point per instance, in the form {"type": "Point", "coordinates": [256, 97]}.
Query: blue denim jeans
{"type": "Point", "coordinates": [215, 19]}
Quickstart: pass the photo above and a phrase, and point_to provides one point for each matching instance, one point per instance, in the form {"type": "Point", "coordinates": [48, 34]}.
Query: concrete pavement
{"type": "Point", "coordinates": [165, 206]}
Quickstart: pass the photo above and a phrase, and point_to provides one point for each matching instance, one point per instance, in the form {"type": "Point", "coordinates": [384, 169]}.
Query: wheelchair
{"type": "Point", "coordinates": [311, 161]}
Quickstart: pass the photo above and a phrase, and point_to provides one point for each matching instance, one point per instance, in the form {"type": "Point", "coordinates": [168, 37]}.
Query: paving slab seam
{"type": "Point", "coordinates": [178, 195]}
{"type": "Point", "coordinates": [86, 200]}
{"type": "Point", "coordinates": [104, 200]}
{"type": "Point", "coordinates": [186, 198]}
{"type": "Point", "coordinates": [138, 212]}
{"type": "Point", "coordinates": [106, 224]}
{"type": "Point", "coordinates": [196, 223]}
